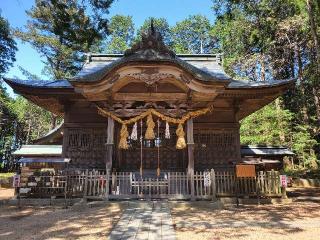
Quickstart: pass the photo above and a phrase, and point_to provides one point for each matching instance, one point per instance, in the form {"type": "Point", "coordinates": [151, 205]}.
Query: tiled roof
{"type": "Point", "coordinates": [39, 150]}
{"type": "Point", "coordinates": [205, 67]}
{"type": "Point", "coordinates": [236, 84]}
{"type": "Point", "coordinates": [249, 150]}
{"type": "Point", "coordinates": [44, 160]}
{"type": "Point", "coordinates": [40, 83]}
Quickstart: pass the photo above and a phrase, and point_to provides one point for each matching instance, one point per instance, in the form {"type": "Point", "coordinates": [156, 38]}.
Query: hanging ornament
{"type": "Point", "coordinates": [141, 143]}
{"type": "Point", "coordinates": [150, 126]}
{"type": "Point", "coordinates": [158, 145]}
{"type": "Point", "coordinates": [167, 131]}
{"type": "Point", "coordinates": [134, 133]}
{"type": "Point", "coordinates": [124, 134]}
{"type": "Point", "coordinates": [181, 142]}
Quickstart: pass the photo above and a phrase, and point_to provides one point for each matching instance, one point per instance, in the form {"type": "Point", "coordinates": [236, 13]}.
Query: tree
{"type": "Point", "coordinates": [7, 57]}
{"type": "Point", "coordinates": [193, 35]}
{"type": "Point", "coordinates": [270, 40]}
{"type": "Point", "coordinates": [267, 127]}
{"type": "Point", "coordinates": [7, 46]}
{"type": "Point", "coordinates": [121, 34]}
{"type": "Point", "coordinates": [62, 31]}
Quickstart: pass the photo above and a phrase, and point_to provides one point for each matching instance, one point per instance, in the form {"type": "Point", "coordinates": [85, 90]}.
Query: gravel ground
{"type": "Point", "coordinates": [6, 193]}
{"type": "Point", "coordinates": [56, 223]}
{"type": "Point", "coordinates": [298, 220]}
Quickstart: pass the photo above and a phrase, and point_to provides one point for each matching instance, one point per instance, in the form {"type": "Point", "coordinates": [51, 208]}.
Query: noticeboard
{"type": "Point", "coordinates": [283, 181]}
{"type": "Point", "coordinates": [16, 181]}
{"type": "Point", "coordinates": [207, 179]}
{"type": "Point", "coordinates": [245, 170]}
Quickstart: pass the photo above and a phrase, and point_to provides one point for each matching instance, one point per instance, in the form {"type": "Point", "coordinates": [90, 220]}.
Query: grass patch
{"type": "Point", "coordinates": [6, 175]}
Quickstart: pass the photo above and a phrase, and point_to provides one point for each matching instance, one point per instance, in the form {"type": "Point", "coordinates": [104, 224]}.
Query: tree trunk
{"type": "Point", "coordinates": [318, 5]}
{"type": "Point", "coordinates": [302, 86]}
{"type": "Point", "coordinates": [53, 121]}
{"type": "Point", "coordinates": [281, 133]}
{"type": "Point", "coordinates": [313, 28]}
{"type": "Point", "coordinates": [263, 69]}
{"type": "Point", "coordinates": [28, 132]}
{"type": "Point", "coordinates": [317, 103]}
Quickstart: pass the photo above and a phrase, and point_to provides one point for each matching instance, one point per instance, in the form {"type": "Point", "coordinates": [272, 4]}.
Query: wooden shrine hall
{"type": "Point", "coordinates": [151, 110]}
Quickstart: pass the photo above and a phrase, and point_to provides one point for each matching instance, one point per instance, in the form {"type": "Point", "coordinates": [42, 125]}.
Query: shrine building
{"type": "Point", "coordinates": [151, 109]}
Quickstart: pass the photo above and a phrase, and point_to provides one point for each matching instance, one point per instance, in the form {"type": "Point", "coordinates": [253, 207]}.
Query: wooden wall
{"type": "Point", "coordinates": [216, 137]}
{"type": "Point", "coordinates": [217, 140]}
{"type": "Point", "coordinates": [85, 135]}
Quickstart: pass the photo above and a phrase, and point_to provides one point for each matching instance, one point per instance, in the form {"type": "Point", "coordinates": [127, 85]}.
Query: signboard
{"type": "Point", "coordinates": [16, 181]}
{"type": "Point", "coordinates": [207, 179]}
{"type": "Point", "coordinates": [283, 181]}
{"type": "Point", "coordinates": [245, 170]}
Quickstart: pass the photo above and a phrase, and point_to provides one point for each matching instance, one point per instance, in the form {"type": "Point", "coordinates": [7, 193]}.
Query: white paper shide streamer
{"type": "Point", "coordinates": [167, 132]}
{"type": "Point", "coordinates": [134, 134]}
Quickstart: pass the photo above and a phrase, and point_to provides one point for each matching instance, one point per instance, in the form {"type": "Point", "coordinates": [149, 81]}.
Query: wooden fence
{"type": "Point", "coordinates": [172, 185]}
{"type": "Point", "coordinates": [45, 186]}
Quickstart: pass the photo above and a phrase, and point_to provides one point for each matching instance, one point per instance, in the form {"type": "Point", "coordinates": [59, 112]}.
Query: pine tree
{"type": "Point", "coordinates": [62, 31]}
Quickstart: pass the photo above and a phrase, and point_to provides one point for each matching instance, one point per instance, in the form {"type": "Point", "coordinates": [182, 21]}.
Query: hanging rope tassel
{"type": "Point", "coordinates": [181, 142]}
{"type": "Point", "coordinates": [124, 134]}
{"type": "Point", "coordinates": [141, 144]}
{"type": "Point", "coordinates": [134, 133]}
{"type": "Point", "coordinates": [167, 131]}
{"type": "Point", "coordinates": [150, 126]}
{"type": "Point", "coordinates": [158, 143]}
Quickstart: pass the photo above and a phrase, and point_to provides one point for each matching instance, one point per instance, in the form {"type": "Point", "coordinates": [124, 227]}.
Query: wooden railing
{"type": "Point", "coordinates": [172, 185]}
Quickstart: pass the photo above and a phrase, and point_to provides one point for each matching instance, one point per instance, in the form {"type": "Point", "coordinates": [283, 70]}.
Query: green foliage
{"type": "Point", "coordinates": [62, 31]}
{"type": "Point", "coordinates": [7, 57]}
{"type": "Point", "coordinates": [268, 125]}
{"type": "Point", "coordinates": [272, 125]}
{"type": "Point", "coordinates": [122, 34]}
{"type": "Point", "coordinates": [36, 121]}
{"type": "Point", "coordinates": [6, 175]}
{"type": "Point", "coordinates": [303, 145]}
{"type": "Point", "coordinates": [193, 35]}
{"type": "Point", "coordinates": [268, 40]}
{"type": "Point", "coordinates": [7, 46]}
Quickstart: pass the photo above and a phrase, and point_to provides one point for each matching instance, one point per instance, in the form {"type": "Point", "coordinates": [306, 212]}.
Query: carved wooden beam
{"type": "Point", "coordinates": [149, 96]}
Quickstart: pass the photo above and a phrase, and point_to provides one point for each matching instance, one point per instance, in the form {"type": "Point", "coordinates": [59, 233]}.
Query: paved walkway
{"type": "Point", "coordinates": [145, 221]}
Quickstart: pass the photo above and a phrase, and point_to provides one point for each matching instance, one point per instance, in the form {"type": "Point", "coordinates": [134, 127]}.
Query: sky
{"type": "Point", "coordinates": [172, 10]}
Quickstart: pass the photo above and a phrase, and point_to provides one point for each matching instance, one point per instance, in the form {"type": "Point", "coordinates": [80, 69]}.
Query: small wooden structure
{"type": "Point", "coordinates": [151, 112]}
{"type": "Point", "coordinates": [265, 157]}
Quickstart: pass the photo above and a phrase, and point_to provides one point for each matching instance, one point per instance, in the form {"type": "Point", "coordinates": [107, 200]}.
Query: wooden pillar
{"type": "Point", "coordinates": [190, 143]}
{"type": "Point", "coordinates": [110, 137]}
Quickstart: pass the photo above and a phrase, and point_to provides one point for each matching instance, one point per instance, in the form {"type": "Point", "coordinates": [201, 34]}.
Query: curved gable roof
{"type": "Point", "coordinates": [203, 67]}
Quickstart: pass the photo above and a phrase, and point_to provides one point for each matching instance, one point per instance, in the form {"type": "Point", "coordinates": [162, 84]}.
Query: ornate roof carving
{"type": "Point", "coordinates": [151, 45]}
{"type": "Point", "coordinates": [150, 78]}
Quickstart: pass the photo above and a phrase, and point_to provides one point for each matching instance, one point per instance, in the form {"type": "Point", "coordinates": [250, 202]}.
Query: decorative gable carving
{"type": "Point", "coordinates": [150, 46]}
{"type": "Point", "coordinates": [150, 78]}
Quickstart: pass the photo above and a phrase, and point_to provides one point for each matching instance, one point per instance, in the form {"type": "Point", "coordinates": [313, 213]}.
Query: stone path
{"type": "Point", "coordinates": [145, 221]}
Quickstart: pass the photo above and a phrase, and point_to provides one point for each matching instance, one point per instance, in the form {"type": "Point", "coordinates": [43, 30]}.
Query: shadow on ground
{"type": "Point", "coordinates": [200, 221]}
{"type": "Point", "coordinates": [58, 223]}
